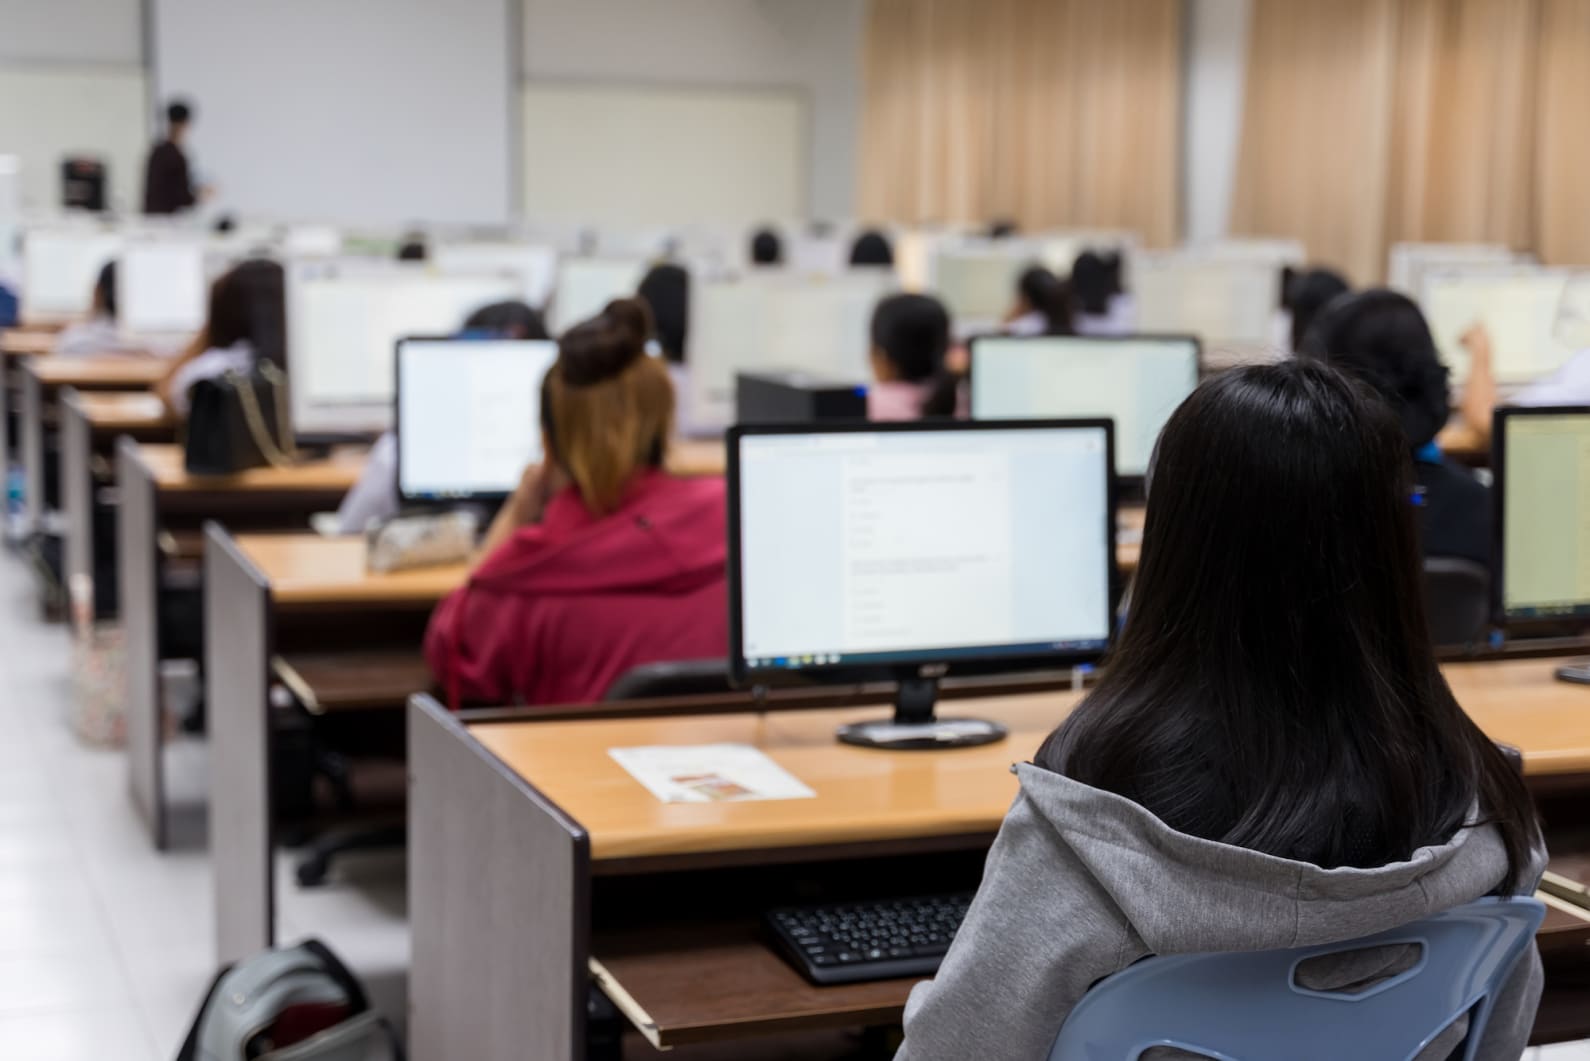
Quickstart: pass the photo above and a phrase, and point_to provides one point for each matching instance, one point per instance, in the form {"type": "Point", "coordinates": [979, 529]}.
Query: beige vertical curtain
{"type": "Point", "coordinates": [1369, 122]}
{"type": "Point", "coordinates": [1048, 112]}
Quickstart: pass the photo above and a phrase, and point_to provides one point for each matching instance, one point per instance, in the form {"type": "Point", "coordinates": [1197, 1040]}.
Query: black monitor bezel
{"type": "Point", "coordinates": [856, 674]}
{"type": "Point", "coordinates": [1132, 484]}
{"type": "Point", "coordinates": [1518, 624]}
{"type": "Point", "coordinates": [406, 498]}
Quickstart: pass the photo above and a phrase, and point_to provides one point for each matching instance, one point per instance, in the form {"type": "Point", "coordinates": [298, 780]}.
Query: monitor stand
{"type": "Point", "coordinates": [914, 726]}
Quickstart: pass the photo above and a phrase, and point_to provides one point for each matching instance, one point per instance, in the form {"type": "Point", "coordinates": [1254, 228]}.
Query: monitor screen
{"type": "Point", "coordinates": [911, 545]}
{"type": "Point", "coordinates": [1519, 307]}
{"type": "Point", "coordinates": [469, 415]}
{"type": "Point", "coordinates": [978, 286]}
{"type": "Point", "coordinates": [535, 265]}
{"type": "Point", "coordinates": [1137, 382]}
{"type": "Point", "coordinates": [59, 270]}
{"type": "Point", "coordinates": [1543, 483]}
{"type": "Point", "coordinates": [1222, 300]}
{"type": "Point", "coordinates": [586, 285]}
{"type": "Point", "coordinates": [344, 321]}
{"type": "Point", "coordinates": [161, 288]}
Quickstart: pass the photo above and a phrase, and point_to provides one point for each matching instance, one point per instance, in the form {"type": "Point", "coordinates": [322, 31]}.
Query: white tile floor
{"type": "Point", "coordinates": [105, 944]}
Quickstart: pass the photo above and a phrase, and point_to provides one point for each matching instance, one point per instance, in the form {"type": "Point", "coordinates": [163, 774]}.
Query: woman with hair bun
{"type": "Point", "coordinates": [600, 561]}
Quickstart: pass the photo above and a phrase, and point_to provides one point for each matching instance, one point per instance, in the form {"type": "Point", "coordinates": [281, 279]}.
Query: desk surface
{"type": "Point", "coordinates": [308, 569]}
{"type": "Point", "coordinates": [131, 372]}
{"type": "Point", "coordinates": [697, 457]}
{"type": "Point", "coordinates": [337, 473]}
{"type": "Point", "coordinates": [26, 342]}
{"type": "Point", "coordinates": [866, 796]}
{"type": "Point", "coordinates": [124, 410]}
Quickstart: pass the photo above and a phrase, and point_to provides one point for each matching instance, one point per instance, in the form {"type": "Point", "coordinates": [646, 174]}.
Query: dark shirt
{"type": "Point", "coordinates": [1455, 519]}
{"type": "Point", "coordinates": [168, 187]}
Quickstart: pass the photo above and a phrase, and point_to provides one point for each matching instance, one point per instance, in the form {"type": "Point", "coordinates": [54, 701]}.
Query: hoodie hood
{"type": "Point", "coordinates": [1182, 894]}
{"type": "Point", "coordinates": [667, 537]}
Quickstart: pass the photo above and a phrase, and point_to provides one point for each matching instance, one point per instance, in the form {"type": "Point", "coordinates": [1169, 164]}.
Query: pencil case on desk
{"type": "Point", "coordinates": [408, 542]}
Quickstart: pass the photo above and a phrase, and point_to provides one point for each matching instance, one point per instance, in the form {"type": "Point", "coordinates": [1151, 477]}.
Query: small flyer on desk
{"type": "Point", "coordinates": [709, 773]}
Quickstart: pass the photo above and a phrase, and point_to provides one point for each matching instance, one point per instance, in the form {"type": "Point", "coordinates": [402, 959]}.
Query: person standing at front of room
{"type": "Point", "coordinates": [168, 180]}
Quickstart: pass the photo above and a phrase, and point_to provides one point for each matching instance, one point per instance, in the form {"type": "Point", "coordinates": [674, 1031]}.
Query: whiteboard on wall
{"type": "Point", "coordinates": [50, 112]}
{"type": "Point", "coordinates": [637, 154]}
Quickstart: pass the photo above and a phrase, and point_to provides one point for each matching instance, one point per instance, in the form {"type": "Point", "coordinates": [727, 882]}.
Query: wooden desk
{"type": "Point", "coordinates": [156, 496]}
{"type": "Point", "coordinates": [90, 425]}
{"type": "Point", "coordinates": [696, 457]}
{"type": "Point", "coordinates": [556, 836]}
{"type": "Point", "coordinates": [42, 379]}
{"type": "Point", "coordinates": [27, 342]}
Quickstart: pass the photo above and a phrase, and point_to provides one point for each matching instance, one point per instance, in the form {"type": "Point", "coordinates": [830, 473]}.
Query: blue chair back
{"type": "Point", "coordinates": [1249, 1006]}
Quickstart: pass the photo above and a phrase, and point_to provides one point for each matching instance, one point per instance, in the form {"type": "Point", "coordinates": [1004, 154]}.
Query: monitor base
{"type": "Point", "coordinates": [922, 736]}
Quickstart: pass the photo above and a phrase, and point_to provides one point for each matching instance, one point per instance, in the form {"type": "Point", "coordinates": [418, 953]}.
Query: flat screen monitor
{"type": "Point", "coordinates": [586, 285]}
{"type": "Point", "coordinates": [1518, 306]}
{"type": "Point", "coordinates": [1221, 300]}
{"type": "Point", "coordinates": [343, 322]}
{"type": "Point", "coordinates": [978, 285]}
{"type": "Point", "coordinates": [162, 288]}
{"type": "Point", "coordinates": [1410, 263]}
{"type": "Point", "coordinates": [910, 551]}
{"type": "Point", "coordinates": [536, 265]}
{"type": "Point", "coordinates": [1136, 381]}
{"type": "Point", "coordinates": [468, 416]}
{"type": "Point", "coordinates": [1542, 494]}
{"type": "Point", "coordinates": [59, 269]}
{"type": "Point", "coordinates": [784, 323]}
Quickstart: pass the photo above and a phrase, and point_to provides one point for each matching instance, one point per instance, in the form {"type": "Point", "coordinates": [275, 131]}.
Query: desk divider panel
{"type": "Point", "coordinates": [486, 852]}
{"type": "Point", "coordinates": [77, 488]}
{"type": "Point", "coordinates": [138, 569]}
{"type": "Point", "coordinates": [32, 449]}
{"type": "Point", "coordinates": [10, 368]}
{"type": "Point", "coordinates": [237, 655]}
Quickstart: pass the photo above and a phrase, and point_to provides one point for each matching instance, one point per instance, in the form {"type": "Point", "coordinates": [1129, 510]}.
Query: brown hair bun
{"type": "Point", "coordinates": [604, 346]}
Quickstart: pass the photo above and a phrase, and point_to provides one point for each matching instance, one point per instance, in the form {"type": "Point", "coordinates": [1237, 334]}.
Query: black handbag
{"type": "Point", "coordinates": [239, 421]}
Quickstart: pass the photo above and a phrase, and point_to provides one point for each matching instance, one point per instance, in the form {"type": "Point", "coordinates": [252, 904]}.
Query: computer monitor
{"type": "Point", "coordinates": [59, 269]}
{"type": "Point", "coordinates": [908, 552]}
{"type": "Point", "coordinates": [776, 322]}
{"type": "Point", "coordinates": [1410, 263]}
{"type": "Point", "coordinates": [1519, 307]}
{"type": "Point", "coordinates": [1137, 381]}
{"type": "Point", "coordinates": [161, 288]}
{"type": "Point", "coordinates": [468, 416]}
{"type": "Point", "coordinates": [343, 322]}
{"type": "Point", "coordinates": [536, 265]}
{"type": "Point", "coordinates": [1226, 301]}
{"type": "Point", "coordinates": [586, 285]}
{"type": "Point", "coordinates": [1542, 524]}
{"type": "Point", "coordinates": [978, 284]}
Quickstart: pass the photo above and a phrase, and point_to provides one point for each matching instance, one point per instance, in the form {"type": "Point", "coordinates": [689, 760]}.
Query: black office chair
{"type": "Point", "coordinates": [1457, 596]}
{"type": "Point", "coordinates": [701, 677]}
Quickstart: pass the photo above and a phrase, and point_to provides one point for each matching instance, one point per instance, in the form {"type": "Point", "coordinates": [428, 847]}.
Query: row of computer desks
{"type": "Point", "coordinates": [538, 865]}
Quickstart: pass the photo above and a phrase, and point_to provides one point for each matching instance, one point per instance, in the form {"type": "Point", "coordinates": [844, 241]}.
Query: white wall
{"type": "Point", "coordinates": [1214, 70]}
{"type": "Point", "coordinates": [811, 45]}
{"type": "Point", "coordinates": [71, 31]}
{"type": "Point", "coordinates": [380, 112]}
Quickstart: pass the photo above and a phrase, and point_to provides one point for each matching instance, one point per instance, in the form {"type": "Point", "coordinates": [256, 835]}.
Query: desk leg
{"type": "Point", "coordinates": [499, 904]}
{"type": "Point", "coordinates": [5, 440]}
{"type": "Point", "coordinates": [32, 453]}
{"type": "Point", "coordinates": [237, 653]}
{"type": "Point", "coordinates": [138, 568]}
{"type": "Point", "coordinates": [77, 491]}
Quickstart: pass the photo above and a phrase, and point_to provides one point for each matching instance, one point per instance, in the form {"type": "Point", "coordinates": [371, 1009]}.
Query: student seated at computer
{"type": "Point", "coordinates": [97, 336]}
{"type": "Point", "coordinates": [1042, 305]}
{"type": "Point", "coordinates": [1102, 305]}
{"type": "Point", "coordinates": [1271, 758]}
{"type": "Point", "coordinates": [767, 248]}
{"type": "Point", "coordinates": [601, 561]}
{"type": "Point", "coordinates": [374, 498]}
{"type": "Point", "coordinates": [910, 340]}
{"type": "Point", "coordinates": [1568, 385]}
{"type": "Point", "coordinates": [1382, 338]}
{"type": "Point", "coordinates": [666, 291]}
{"type": "Point", "coordinates": [1307, 295]}
{"type": "Point", "coordinates": [870, 249]}
{"type": "Point", "coordinates": [246, 323]}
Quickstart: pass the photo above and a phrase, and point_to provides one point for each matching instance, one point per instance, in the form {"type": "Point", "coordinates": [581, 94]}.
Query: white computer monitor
{"type": "Point", "coordinates": [1137, 381]}
{"type": "Point", "coordinates": [911, 551]}
{"type": "Point", "coordinates": [1543, 488]}
{"type": "Point", "coordinates": [536, 265]}
{"type": "Point", "coordinates": [162, 288]}
{"type": "Point", "coordinates": [1518, 306]}
{"type": "Point", "coordinates": [586, 285]}
{"type": "Point", "coordinates": [468, 415]}
{"type": "Point", "coordinates": [767, 322]}
{"type": "Point", "coordinates": [1227, 301]}
{"type": "Point", "coordinates": [978, 283]}
{"type": "Point", "coordinates": [59, 270]}
{"type": "Point", "coordinates": [1409, 263]}
{"type": "Point", "coordinates": [343, 323]}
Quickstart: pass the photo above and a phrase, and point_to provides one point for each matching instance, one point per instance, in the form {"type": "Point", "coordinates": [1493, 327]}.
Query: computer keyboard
{"type": "Point", "coordinates": [884, 939]}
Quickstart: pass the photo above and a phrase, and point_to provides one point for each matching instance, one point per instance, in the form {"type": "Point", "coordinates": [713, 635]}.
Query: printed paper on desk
{"type": "Point", "coordinates": [709, 773]}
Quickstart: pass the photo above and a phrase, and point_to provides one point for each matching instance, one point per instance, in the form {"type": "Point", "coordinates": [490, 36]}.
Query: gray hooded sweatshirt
{"type": "Point", "coordinates": [1081, 883]}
